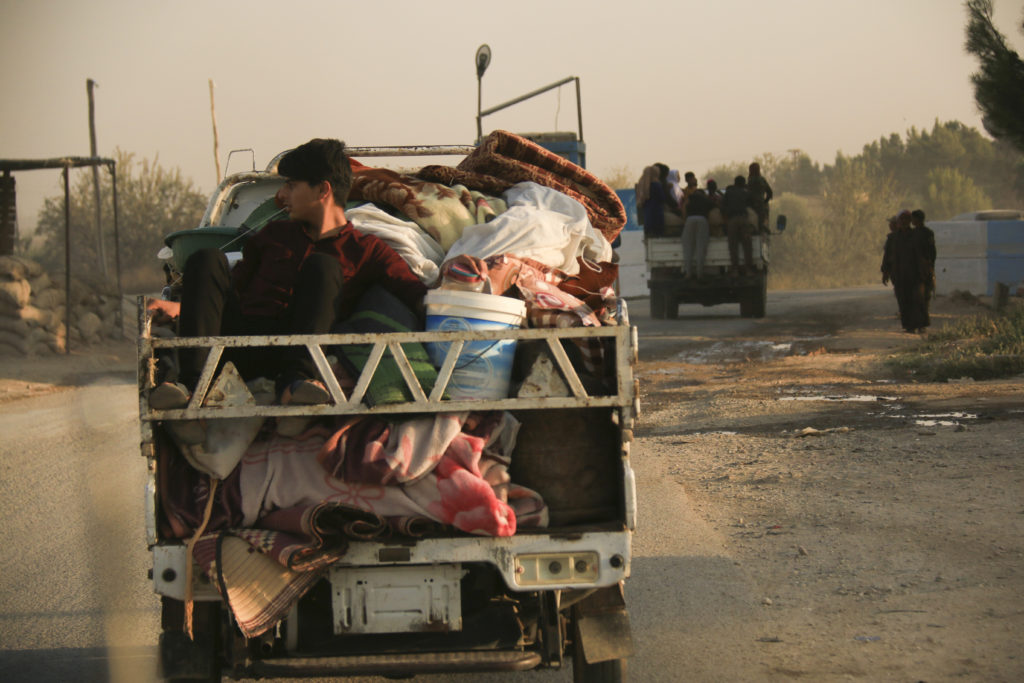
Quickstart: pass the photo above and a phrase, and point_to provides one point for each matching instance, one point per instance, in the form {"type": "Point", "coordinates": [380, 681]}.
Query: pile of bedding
{"type": "Point", "coordinates": [512, 219]}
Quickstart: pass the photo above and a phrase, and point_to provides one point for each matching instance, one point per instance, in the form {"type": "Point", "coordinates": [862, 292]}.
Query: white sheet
{"type": "Point", "coordinates": [423, 254]}
{"type": "Point", "coordinates": [542, 224]}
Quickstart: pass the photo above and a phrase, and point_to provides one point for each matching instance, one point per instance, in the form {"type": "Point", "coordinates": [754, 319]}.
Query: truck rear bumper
{"type": "Point", "coordinates": [394, 664]}
{"type": "Point", "coordinates": [526, 562]}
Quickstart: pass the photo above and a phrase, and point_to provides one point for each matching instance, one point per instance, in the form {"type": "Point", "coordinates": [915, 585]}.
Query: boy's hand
{"type": "Point", "coordinates": [163, 311]}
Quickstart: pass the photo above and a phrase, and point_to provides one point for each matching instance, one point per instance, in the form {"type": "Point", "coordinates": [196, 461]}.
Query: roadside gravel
{"type": "Point", "coordinates": [879, 523]}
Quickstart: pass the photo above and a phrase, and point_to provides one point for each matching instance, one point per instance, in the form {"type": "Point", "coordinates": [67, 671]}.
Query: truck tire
{"type": "Point", "coordinates": [658, 304]}
{"type": "Point", "coordinates": [182, 659]}
{"type": "Point", "coordinates": [671, 307]}
{"type": "Point", "coordinates": [754, 300]}
{"type": "Point", "coordinates": [612, 671]}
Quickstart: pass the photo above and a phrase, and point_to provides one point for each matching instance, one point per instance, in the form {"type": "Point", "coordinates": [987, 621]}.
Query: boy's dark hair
{"type": "Point", "coordinates": [918, 214]}
{"type": "Point", "coordinates": [740, 181]}
{"type": "Point", "coordinates": [318, 160]}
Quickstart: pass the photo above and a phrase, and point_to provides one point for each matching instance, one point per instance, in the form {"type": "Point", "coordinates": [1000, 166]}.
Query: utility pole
{"type": "Point", "coordinates": [89, 86]}
{"type": "Point", "coordinates": [216, 143]}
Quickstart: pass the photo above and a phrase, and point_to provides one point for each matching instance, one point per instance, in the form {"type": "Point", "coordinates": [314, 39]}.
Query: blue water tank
{"type": "Point", "coordinates": [564, 145]}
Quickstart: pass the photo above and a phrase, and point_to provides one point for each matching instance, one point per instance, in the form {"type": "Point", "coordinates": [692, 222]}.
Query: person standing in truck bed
{"type": "Point", "coordinates": [760, 194]}
{"type": "Point", "coordinates": [298, 276]}
{"type": "Point", "coordinates": [696, 233]}
{"type": "Point", "coordinates": [737, 225]}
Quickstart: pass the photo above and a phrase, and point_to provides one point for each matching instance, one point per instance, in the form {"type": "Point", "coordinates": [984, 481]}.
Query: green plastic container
{"type": "Point", "coordinates": [186, 242]}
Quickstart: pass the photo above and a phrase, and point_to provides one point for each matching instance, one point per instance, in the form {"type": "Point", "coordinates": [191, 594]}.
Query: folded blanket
{"type": "Point", "coordinates": [441, 211]}
{"type": "Point", "coordinates": [503, 159]}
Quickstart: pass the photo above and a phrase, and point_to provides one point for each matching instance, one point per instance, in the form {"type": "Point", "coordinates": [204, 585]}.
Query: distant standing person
{"type": "Point", "coordinates": [695, 234]}
{"type": "Point", "coordinates": [737, 225]}
{"type": "Point", "coordinates": [908, 275]}
{"type": "Point", "coordinates": [690, 187]}
{"type": "Point", "coordinates": [716, 221]}
{"type": "Point", "coordinates": [923, 240]}
{"type": "Point", "coordinates": [760, 194]}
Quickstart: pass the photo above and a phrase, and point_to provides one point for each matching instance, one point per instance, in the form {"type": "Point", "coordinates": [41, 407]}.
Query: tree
{"type": "Point", "coordinates": [620, 178]}
{"type": "Point", "coordinates": [152, 202]}
{"type": "Point", "coordinates": [857, 201]}
{"type": "Point", "coordinates": [993, 166]}
{"type": "Point", "coordinates": [796, 173]}
{"type": "Point", "coordinates": [724, 174]}
{"type": "Point", "coordinates": [999, 84]}
{"type": "Point", "coordinates": [951, 193]}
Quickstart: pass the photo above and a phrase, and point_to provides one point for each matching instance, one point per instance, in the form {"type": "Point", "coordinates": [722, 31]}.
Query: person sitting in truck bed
{"type": "Point", "coordinates": [650, 200]}
{"type": "Point", "coordinates": [298, 276]}
{"type": "Point", "coordinates": [738, 227]}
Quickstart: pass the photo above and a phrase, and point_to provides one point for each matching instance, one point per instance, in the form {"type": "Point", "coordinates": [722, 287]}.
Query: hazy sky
{"type": "Point", "coordinates": [693, 84]}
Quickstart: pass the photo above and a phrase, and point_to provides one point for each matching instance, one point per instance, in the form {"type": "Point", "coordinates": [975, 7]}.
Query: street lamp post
{"type": "Point", "coordinates": [483, 59]}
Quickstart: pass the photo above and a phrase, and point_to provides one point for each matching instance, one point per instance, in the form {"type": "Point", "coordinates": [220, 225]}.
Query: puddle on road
{"type": "Point", "coordinates": [942, 419]}
{"type": "Point", "coordinates": [718, 432]}
{"type": "Point", "coordinates": [891, 409]}
{"type": "Point", "coordinates": [857, 398]}
{"type": "Point", "coordinates": [738, 352]}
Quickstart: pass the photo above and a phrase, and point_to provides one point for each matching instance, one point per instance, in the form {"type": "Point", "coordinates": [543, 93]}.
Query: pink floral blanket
{"type": "Point", "coordinates": [303, 500]}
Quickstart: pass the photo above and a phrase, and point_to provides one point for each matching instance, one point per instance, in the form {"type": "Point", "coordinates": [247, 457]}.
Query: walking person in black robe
{"type": "Point", "coordinates": [913, 270]}
{"type": "Point", "coordinates": [923, 240]}
{"type": "Point", "coordinates": [889, 261]}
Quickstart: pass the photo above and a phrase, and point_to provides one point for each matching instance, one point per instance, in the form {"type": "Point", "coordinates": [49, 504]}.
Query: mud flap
{"type": "Point", "coordinates": [602, 626]}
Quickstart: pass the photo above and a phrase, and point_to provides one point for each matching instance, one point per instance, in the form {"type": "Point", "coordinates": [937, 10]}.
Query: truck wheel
{"type": "Point", "coordinates": [754, 301]}
{"type": "Point", "coordinates": [613, 671]}
{"type": "Point", "coordinates": [657, 304]}
{"type": "Point", "coordinates": [182, 659]}
{"type": "Point", "coordinates": [671, 307]}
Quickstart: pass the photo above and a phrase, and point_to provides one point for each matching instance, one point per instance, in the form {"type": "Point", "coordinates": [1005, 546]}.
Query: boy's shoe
{"type": "Point", "coordinates": [303, 392]}
{"type": "Point", "coordinates": [169, 396]}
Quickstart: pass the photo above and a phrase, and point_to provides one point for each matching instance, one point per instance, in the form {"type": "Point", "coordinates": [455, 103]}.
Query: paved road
{"type": "Point", "coordinates": [76, 604]}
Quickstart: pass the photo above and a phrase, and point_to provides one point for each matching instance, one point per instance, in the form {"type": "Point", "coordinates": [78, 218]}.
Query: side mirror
{"type": "Point", "coordinates": [780, 224]}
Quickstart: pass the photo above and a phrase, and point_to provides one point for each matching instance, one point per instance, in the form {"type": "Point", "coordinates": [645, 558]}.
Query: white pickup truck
{"type": "Point", "coordinates": [669, 288]}
{"type": "Point", "coordinates": [540, 598]}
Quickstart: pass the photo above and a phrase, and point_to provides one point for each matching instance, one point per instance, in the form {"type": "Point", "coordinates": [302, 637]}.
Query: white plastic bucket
{"type": "Point", "coordinates": [484, 368]}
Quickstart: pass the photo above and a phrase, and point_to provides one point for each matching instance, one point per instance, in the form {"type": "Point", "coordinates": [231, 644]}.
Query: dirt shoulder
{"type": "Point", "coordinates": [23, 377]}
{"type": "Point", "coordinates": [880, 522]}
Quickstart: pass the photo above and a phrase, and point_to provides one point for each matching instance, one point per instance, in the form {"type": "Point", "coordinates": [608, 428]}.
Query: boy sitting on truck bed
{"type": "Point", "coordinates": [296, 277]}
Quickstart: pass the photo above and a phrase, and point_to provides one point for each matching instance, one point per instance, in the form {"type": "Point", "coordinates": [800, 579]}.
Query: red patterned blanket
{"type": "Point", "coordinates": [504, 159]}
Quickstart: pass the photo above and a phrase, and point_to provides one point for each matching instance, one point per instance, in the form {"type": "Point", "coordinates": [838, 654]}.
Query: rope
{"type": "Point", "coordinates": [189, 602]}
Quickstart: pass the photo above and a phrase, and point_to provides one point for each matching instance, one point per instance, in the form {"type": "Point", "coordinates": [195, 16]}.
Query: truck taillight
{"type": "Point", "coordinates": [540, 569]}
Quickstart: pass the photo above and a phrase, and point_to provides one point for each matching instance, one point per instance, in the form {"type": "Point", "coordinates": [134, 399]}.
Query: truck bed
{"type": "Point", "coordinates": [594, 430]}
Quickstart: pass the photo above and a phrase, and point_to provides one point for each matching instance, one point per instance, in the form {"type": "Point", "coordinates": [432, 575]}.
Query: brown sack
{"type": "Point", "coordinates": [15, 292]}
